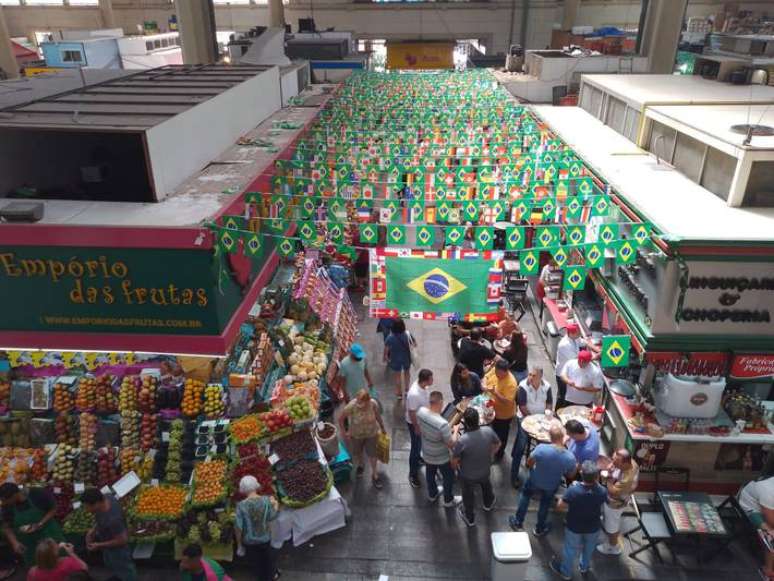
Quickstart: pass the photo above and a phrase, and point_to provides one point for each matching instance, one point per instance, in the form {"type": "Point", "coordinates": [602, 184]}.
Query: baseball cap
{"type": "Point", "coordinates": [584, 356]}
{"type": "Point", "coordinates": [573, 328]}
{"type": "Point", "coordinates": [357, 350]}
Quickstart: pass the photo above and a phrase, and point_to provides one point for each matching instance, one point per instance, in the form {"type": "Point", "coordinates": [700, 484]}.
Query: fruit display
{"type": "Point", "coordinates": [299, 408]}
{"type": "Point", "coordinates": [66, 429]}
{"type": "Point", "coordinates": [79, 522]}
{"type": "Point", "coordinates": [63, 497]}
{"type": "Point", "coordinates": [143, 531]}
{"type": "Point", "coordinates": [145, 470]}
{"type": "Point", "coordinates": [39, 469]}
{"type": "Point", "coordinates": [63, 398]}
{"type": "Point", "coordinates": [295, 446]}
{"type": "Point", "coordinates": [252, 463]}
{"type": "Point", "coordinates": [284, 390]}
{"type": "Point", "coordinates": [264, 355]}
{"type": "Point", "coordinates": [130, 460]}
{"type": "Point", "coordinates": [64, 465]}
{"type": "Point", "coordinates": [146, 398]}
{"type": "Point", "coordinates": [5, 392]}
{"type": "Point", "coordinates": [206, 526]}
{"type": "Point", "coordinates": [87, 430]}
{"type": "Point", "coordinates": [86, 468]}
{"type": "Point", "coordinates": [106, 467]}
{"type": "Point", "coordinates": [276, 422]}
{"type": "Point", "coordinates": [209, 482]}
{"type": "Point", "coordinates": [174, 452]}
{"type": "Point", "coordinates": [246, 429]}
{"type": "Point", "coordinates": [15, 433]}
{"type": "Point", "coordinates": [160, 502]}
{"type": "Point", "coordinates": [130, 429]}
{"type": "Point", "coordinates": [127, 394]}
{"type": "Point", "coordinates": [214, 406]}
{"type": "Point", "coordinates": [303, 483]}
{"type": "Point", "coordinates": [309, 359]}
{"type": "Point", "coordinates": [148, 429]}
{"type": "Point", "coordinates": [192, 398]}
{"type": "Point", "coordinates": [104, 397]}
{"type": "Point", "coordinates": [86, 395]}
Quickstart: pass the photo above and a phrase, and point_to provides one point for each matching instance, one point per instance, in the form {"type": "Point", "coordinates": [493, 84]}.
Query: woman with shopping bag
{"type": "Point", "coordinates": [362, 432]}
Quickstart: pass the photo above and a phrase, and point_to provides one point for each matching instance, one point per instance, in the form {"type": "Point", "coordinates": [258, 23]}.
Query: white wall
{"type": "Point", "coordinates": [489, 21]}
{"type": "Point", "coordinates": [187, 142]}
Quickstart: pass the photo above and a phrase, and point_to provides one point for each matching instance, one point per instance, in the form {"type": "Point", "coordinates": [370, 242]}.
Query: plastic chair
{"type": "Point", "coordinates": [654, 528]}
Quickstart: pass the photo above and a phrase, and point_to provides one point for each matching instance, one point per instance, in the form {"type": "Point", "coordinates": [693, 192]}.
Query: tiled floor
{"type": "Point", "coordinates": [396, 532]}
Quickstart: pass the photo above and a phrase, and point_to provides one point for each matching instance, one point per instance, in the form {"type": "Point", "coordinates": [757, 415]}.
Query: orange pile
{"type": "Point", "coordinates": [161, 501]}
{"type": "Point", "coordinates": [208, 482]}
{"type": "Point", "coordinates": [192, 398]}
{"type": "Point", "coordinates": [246, 428]}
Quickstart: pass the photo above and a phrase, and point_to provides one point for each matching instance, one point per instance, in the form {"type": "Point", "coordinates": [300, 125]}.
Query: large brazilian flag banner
{"type": "Point", "coordinates": [435, 284]}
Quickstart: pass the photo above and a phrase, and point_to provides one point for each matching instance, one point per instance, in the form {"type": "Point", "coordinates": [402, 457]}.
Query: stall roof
{"type": "Point", "coordinates": [715, 121]}
{"type": "Point", "coordinates": [681, 209]}
{"type": "Point", "coordinates": [15, 92]}
{"type": "Point", "coordinates": [133, 103]}
{"type": "Point", "coordinates": [639, 90]}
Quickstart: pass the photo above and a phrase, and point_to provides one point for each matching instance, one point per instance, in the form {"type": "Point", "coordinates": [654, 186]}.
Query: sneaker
{"type": "Point", "coordinates": [414, 481]}
{"type": "Point", "coordinates": [360, 471]}
{"type": "Point", "coordinates": [541, 532]}
{"type": "Point", "coordinates": [514, 524]}
{"type": "Point", "coordinates": [377, 482]}
{"type": "Point", "coordinates": [463, 516]}
{"type": "Point", "coordinates": [555, 566]}
{"type": "Point", "coordinates": [608, 549]}
{"type": "Point", "coordinates": [491, 506]}
{"type": "Point", "coordinates": [433, 498]}
{"type": "Point", "coordinates": [584, 571]}
{"type": "Point", "coordinates": [454, 502]}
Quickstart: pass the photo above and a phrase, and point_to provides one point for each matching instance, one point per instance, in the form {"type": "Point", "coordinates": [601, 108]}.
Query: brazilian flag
{"type": "Point", "coordinates": [438, 285]}
{"type": "Point", "coordinates": [396, 234]}
{"type": "Point", "coordinates": [425, 235]}
{"type": "Point", "coordinates": [529, 262]}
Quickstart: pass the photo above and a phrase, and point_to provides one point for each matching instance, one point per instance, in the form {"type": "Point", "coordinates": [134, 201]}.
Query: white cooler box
{"type": "Point", "coordinates": [511, 553]}
{"type": "Point", "coordinates": [691, 396]}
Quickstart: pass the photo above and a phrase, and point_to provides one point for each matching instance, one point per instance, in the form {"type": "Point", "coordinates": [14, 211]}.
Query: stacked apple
{"type": "Point", "coordinates": [105, 399]}
{"type": "Point", "coordinates": [66, 429]}
{"type": "Point", "coordinates": [86, 398]}
{"type": "Point", "coordinates": [145, 469]}
{"type": "Point", "coordinates": [86, 469]}
{"type": "Point", "coordinates": [63, 464]}
{"type": "Point", "coordinates": [276, 420]}
{"type": "Point", "coordinates": [63, 398]}
{"type": "Point", "coordinates": [106, 467]}
{"type": "Point", "coordinates": [130, 460]}
{"type": "Point", "coordinates": [127, 395]}
{"type": "Point", "coordinates": [39, 470]}
{"type": "Point", "coordinates": [148, 428]}
{"type": "Point", "coordinates": [130, 429]}
{"type": "Point", "coordinates": [88, 431]}
{"type": "Point", "coordinates": [146, 398]}
{"type": "Point", "coordinates": [213, 401]}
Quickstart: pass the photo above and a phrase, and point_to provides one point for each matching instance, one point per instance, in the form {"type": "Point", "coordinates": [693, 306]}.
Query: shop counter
{"type": "Point", "coordinates": [301, 524]}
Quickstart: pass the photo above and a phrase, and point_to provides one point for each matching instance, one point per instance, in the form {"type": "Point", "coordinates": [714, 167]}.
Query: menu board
{"type": "Point", "coordinates": [695, 517]}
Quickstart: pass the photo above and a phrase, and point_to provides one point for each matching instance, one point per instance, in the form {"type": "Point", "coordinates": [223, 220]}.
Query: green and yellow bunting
{"type": "Point", "coordinates": [425, 236]}
{"type": "Point", "coordinates": [559, 255]}
{"type": "Point", "coordinates": [346, 250]}
{"type": "Point", "coordinates": [545, 236]}
{"type": "Point", "coordinates": [235, 222]}
{"type": "Point", "coordinates": [608, 233]}
{"type": "Point", "coordinates": [529, 262]}
{"type": "Point", "coordinates": [227, 240]}
{"type": "Point", "coordinates": [416, 211]}
{"type": "Point", "coordinates": [307, 231]}
{"type": "Point", "coordinates": [640, 233]}
{"type": "Point", "coordinates": [573, 209]}
{"type": "Point", "coordinates": [595, 255]}
{"type": "Point", "coordinates": [336, 232]}
{"type": "Point", "coordinates": [369, 233]}
{"type": "Point", "coordinates": [286, 248]}
{"type": "Point", "coordinates": [615, 350]}
{"type": "Point", "coordinates": [396, 234]}
{"type": "Point", "coordinates": [574, 278]}
{"type": "Point", "coordinates": [601, 206]}
{"type": "Point", "coordinates": [252, 244]}
{"type": "Point", "coordinates": [584, 187]}
{"type": "Point", "coordinates": [337, 209]}
{"type": "Point", "coordinates": [520, 211]}
{"type": "Point", "coordinates": [455, 235]}
{"type": "Point", "coordinates": [625, 252]}
{"type": "Point", "coordinates": [484, 238]}
{"type": "Point", "coordinates": [514, 238]}
{"type": "Point", "coordinates": [394, 206]}
{"type": "Point", "coordinates": [277, 225]}
{"type": "Point", "coordinates": [308, 208]}
{"type": "Point", "coordinates": [575, 234]}
{"type": "Point", "coordinates": [549, 209]}
{"type": "Point", "coordinates": [442, 211]}
{"type": "Point", "coordinates": [470, 211]}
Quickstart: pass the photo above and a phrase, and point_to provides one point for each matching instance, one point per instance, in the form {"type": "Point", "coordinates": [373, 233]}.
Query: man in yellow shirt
{"type": "Point", "coordinates": [501, 385]}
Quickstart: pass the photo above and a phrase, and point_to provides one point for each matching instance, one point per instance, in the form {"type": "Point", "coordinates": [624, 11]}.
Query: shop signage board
{"type": "Point", "coordinates": [420, 55]}
{"type": "Point", "coordinates": [120, 290]}
{"type": "Point", "coordinates": [651, 454]}
{"type": "Point", "coordinates": [752, 366]}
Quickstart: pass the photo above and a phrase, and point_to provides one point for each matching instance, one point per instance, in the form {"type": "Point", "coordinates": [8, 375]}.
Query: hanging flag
{"type": "Point", "coordinates": [514, 238]}
{"type": "Point", "coordinates": [430, 215]}
{"type": "Point", "coordinates": [470, 210]}
{"type": "Point", "coordinates": [560, 256]}
{"type": "Point", "coordinates": [252, 244]}
{"type": "Point", "coordinates": [615, 350]}
{"type": "Point", "coordinates": [346, 250]}
{"type": "Point", "coordinates": [443, 209]}
{"type": "Point", "coordinates": [640, 233]}
{"type": "Point", "coordinates": [235, 222]}
{"type": "Point", "coordinates": [595, 255]}
{"type": "Point", "coordinates": [335, 232]}
{"type": "Point", "coordinates": [575, 234]}
{"type": "Point", "coordinates": [601, 206]}
{"type": "Point", "coordinates": [584, 187]}
{"type": "Point", "coordinates": [520, 211]}
{"type": "Point", "coordinates": [484, 237]}
{"type": "Point", "coordinates": [455, 235]}
{"type": "Point", "coordinates": [227, 240]}
{"type": "Point", "coordinates": [529, 262]}
{"type": "Point", "coordinates": [416, 211]}
{"type": "Point", "coordinates": [425, 236]}
{"type": "Point", "coordinates": [607, 234]}
{"type": "Point", "coordinates": [369, 233]}
{"type": "Point", "coordinates": [625, 252]}
{"type": "Point", "coordinates": [308, 207]}
{"type": "Point", "coordinates": [396, 234]}
{"type": "Point", "coordinates": [394, 207]}
{"type": "Point", "coordinates": [546, 236]}
{"type": "Point", "coordinates": [574, 278]}
{"type": "Point", "coordinates": [419, 284]}
{"type": "Point", "coordinates": [286, 248]}
{"type": "Point", "coordinates": [307, 231]}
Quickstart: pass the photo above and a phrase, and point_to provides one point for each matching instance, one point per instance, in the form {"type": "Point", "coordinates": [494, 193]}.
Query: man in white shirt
{"type": "Point", "coordinates": [757, 501]}
{"type": "Point", "coordinates": [437, 442]}
{"type": "Point", "coordinates": [583, 379]}
{"type": "Point", "coordinates": [534, 397]}
{"type": "Point", "coordinates": [567, 349]}
{"type": "Point", "coordinates": [417, 396]}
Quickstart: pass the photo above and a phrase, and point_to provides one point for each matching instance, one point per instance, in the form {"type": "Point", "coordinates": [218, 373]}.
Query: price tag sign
{"type": "Point", "coordinates": [165, 436]}
{"type": "Point", "coordinates": [105, 489]}
{"type": "Point", "coordinates": [79, 487]}
{"type": "Point", "coordinates": [154, 481]}
{"type": "Point", "coordinates": [76, 505]}
{"type": "Point", "coordinates": [57, 490]}
{"type": "Point", "coordinates": [273, 459]}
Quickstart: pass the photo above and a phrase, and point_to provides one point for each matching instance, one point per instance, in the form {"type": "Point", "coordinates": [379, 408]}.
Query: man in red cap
{"type": "Point", "coordinates": [568, 348]}
{"type": "Point", "coordinates": [583, 379]}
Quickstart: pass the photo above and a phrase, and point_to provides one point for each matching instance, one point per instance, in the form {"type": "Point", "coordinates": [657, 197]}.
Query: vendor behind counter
{"type": "Point", "coordinates": [28, 517]}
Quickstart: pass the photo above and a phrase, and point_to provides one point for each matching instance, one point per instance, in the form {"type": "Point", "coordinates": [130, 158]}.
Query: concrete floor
{"type": "Point", "coordinates": [396, 532]}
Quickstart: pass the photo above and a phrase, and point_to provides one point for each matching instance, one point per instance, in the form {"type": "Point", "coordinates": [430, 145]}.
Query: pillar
{"type": "Point", "coordinates": [276, 14]}
{"type": "Point", "coordinates": [7, 60]}
{"type": "Point", "coordinates": [570, 14]}
{"type": "Point", "coordinates": [196, 22]}
{"type": "Point", "coordinates": [106, 12]}
{"type": "Point", "coordinates": [661, 34]}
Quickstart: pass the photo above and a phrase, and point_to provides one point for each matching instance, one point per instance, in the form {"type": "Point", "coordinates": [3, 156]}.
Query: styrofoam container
{"type": "Point", "coordinates": [691, 396]}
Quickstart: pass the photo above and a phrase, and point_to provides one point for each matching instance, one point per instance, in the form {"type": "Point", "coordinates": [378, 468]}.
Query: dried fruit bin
{"type": "Point", "coordinates": [164, 502]}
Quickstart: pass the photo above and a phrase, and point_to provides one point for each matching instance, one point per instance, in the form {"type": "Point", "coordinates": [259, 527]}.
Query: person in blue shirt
{"type": "Point", "coordinates": [583, 441]}
{"type": "Point", "coordinates": [252, 532]}
{"type": "Point", "coordinates": [548, 464]}
{"type": "Point", "coordinates": [584, 501]}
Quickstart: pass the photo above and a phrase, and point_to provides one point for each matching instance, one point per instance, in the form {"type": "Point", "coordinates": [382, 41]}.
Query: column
{"type": "Point", "coordinates": [661, 34]}
{"type": "Point", "coordinates": [7, 61]}
{"type": "Point", "coordinates": [570, 14]}
{"type": "Point", "coordinates": [106, 12]}
{"type": "Point", "coordinates": [276, 14]}
{"type": "Point", "coordinates": [196, 21]}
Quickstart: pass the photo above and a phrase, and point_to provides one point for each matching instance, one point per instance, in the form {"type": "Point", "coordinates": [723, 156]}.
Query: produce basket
{"type": "Point", "coordinates": [210, 483]}
{"type": "Point", "coordinates": [247, 429]}
{"type": "Point", "coordinates": [78, 522]}
{"type": "Point", "coordinates": [163, 502]}
{"type": "Point", "coordinates": [294, 473]}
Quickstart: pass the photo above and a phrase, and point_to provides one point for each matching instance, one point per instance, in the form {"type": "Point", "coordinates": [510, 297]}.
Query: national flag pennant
{"type": "Point", "coordinates": [369, 233]}
{"type": "Point", "coordinates": [520, 211]}
{"type": "Point", "coordinates": [575, 234]}
{"type": "Point", "coordinates": [227, 241]}
{"type": "Point", "coordinates": [484, 237]}
{"type": "Point", "coordinates": [416, 212]}
{"type": "Point", "coordinates": [595, 255]}
{"type": "Point", "coordinates": [546, 236]}
{"type": "Point", "coordinates": [601, 206]}
{"type": "Point", "coordinates": [584, 187]}
{"type": "Point", "coordinates": [430, 214]}
{"type": "Point", "coordinates": [470, 210]}
{"type": "Point", "coordinates": [454, 235]}
{"type": "Point", "coordinates": [425, 236]}
{"type": "Point", "coordinates": [455, 215]}
{"type": "Point", "coordinates": [443, 209]}
{"type": "Point", "coordinates": [307, 231]}
{"type": "Point", "coordinates": [625, 252]}
{"type": "Point", "coordinates": [277, 226]}
{"type": "Point", "coordinates": [396, 234]}
{"type": "Point", "coordinates": [640, 233]}
{"type": "Point", "coordinates": [615, 351]}
{"type": "Point", "coordinates": [235, 222]}
{"type": "Point", "coordinates": [607, 233]}
{"type": "Point", "coordinates": [335, 232]}
{"type": "Point", "coordinates": [286, 248]}
{"type": "Point", "coordinates": [529, 262]}
{"type": "Point", "coordinates": [308, 208]}
{"type": "Point", "coordinates": [574, 278]}
{"type": "Point", "coordinates": [252, 244]}
{"type": "Point", "coordinates": [560, 256]}
{"type": "Point", "coordinates": [514, 238]}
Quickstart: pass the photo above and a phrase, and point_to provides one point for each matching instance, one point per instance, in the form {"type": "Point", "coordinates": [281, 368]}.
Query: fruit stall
{"type": "Point", "coordinates": [172, 436]}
